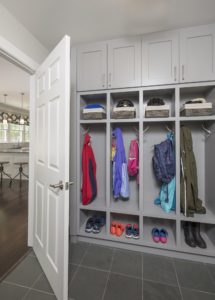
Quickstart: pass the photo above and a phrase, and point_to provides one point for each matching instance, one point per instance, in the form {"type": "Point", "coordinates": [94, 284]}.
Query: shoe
{"type": "Point", "coordinates": [155, 235]}
{"type": "Point", "coordinates": [128, 231]}
{"type": "Point", "coordinates": [119, 229]}
{"type": "Point", "coordinates": [89, 225]}
{"type": "Point", "coordinates": [163, 236]}
{"type": "Point", "coordinates": [113, 227]}
{"type": "Point", "coordinates": [99, 222]}
{"type": "Point", "coordinates": [197, 237]}
{"type": "Point", "coordinates": [135, 231]}
{"type": "Point", "coordinates": [188, 234]}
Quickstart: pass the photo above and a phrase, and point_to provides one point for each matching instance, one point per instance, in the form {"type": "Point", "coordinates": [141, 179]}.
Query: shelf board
{"type": "Point", "coordinates": [199, 118]}
{"type": "Point", "coordinates": [125, 120]}
{"type": "Point", "coordinates": [93, 206]}
{"type": "Point", "coordinates": [103, 121]}
{"type": "Point", "coordinates": [155, 211]}
{"type": "Point", "coordinates": [148, 120]}
{"type": "Point", "coordinates": [124, 239]}
{"type": "Point", "coordinates": [208, 218]}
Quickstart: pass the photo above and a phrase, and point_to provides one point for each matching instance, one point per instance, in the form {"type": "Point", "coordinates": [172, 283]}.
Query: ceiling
{"type": "Point", "coordinates": [94, 20]}
{"type": "Point", "coordinates": [13, 82]}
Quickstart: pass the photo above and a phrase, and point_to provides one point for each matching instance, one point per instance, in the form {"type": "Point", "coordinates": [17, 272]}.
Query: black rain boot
{"type": "Point", "coordinates": [188, 235]}
{"type": "Point", "coordinates": [198, 239]}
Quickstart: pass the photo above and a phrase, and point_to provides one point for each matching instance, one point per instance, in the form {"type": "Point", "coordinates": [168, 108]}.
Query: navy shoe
{"type": "Point", "coordinates": [99, 222]}
{"type": "Point", "coordinates": [128, 231]}
{"type": "Point", "coordinates": [136, 232]}
{"type": "Point", "coordinates": [89, 225]}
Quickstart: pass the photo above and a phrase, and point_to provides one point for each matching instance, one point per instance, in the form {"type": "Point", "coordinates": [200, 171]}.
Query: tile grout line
{"type": "Point", "coordinates": [173, 262]}
{"type": "Point", "coordinates": [105, 288]}
{"type": "Point", "coordinates": [142, 276]}
{"type": "Point", "coordinates": [30, 288]}
{"type": "Point", "coordinates": [78, 265]}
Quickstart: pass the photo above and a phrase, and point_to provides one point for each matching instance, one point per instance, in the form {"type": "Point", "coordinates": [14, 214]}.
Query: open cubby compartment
{"type": "Point", "coordinates": [98, 143]}
{"type": "Point", "coordinates": [84, 216]}
{"type": "Point", "coordinates": [205, 91]}
{"type": "Point", "coordinates": [204, 148]}
{"type": "Point", "coordinates": [207, 232]}
{"type": "Point", "coordinates": [97, 98]}
{"type": "Point", "coordinates": [168, 95]}
{"type": "Point", "coordinates": [132, 203]}
{"type": "Point", "coordinates": [115, 97]}
{"type": "Point", "coordinates": [124, 219]}
{"type": "Point", "coordinates": [167, 224]}
{"type": "Point", "coordinates": [155, 133]}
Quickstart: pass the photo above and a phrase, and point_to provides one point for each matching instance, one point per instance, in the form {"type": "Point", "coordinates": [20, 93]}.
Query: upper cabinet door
{"type": "Point", "coordinates": [160, 58]}
{"type": "Point", "coordinates": [197, 53]}
{"type": "Point", "coordinates": [124, 63]}
{"type": "Point", "coordinates": [92, 67]}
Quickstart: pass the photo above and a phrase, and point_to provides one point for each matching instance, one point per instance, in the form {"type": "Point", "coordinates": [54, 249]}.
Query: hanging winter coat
{"type": "Point", "coordinates": [120, 170]}
{"type": "Point", "coordinates": [133, 159]}
{"type": "Point", "coordinates": [89, 184]}
{"type": "Point", "coordinates": [190, 203]}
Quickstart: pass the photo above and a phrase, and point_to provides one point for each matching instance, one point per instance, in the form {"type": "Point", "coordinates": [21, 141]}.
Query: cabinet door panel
{"type": "Point", "coordinates": [92, 67]}
{"type": "Point", "coordinates": [197, 53]}
{"type": "Point", "coordinates": [160, 58]}
{"type": "Point", "coordinates": [124, 63]}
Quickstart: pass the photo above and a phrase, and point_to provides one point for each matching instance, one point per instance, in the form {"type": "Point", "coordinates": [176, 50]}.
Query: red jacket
{"type": "Point", "coordinates": [89, 184]}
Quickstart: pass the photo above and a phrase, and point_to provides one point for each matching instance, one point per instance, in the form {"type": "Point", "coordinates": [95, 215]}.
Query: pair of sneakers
{"type": "Point", "coordinates": [117, 228]}
{"type": "Point", "coordinates": [159, 235]}
{"type": "Point", "coordinates": [94, 224]}
{"type": "Point", "coordinates": [132, 231]}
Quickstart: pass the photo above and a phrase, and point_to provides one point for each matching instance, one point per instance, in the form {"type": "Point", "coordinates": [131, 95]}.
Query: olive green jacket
{"type": "Point", "coordinates": [190, 203]}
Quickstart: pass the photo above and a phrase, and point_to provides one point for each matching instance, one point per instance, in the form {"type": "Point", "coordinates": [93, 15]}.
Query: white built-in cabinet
{"type": "Point", "coordinates": [124, 68]}
{"type": "Point", "coordinates": [178, 56]}
{"type": "Point", "coordinates": [197, 54]}
{"type": "Point", "coordinates": [109, 65]}
{"type": "Point", "coordinates": [92, 67]}
{"type": "Point", "coordinates": [160, 58]}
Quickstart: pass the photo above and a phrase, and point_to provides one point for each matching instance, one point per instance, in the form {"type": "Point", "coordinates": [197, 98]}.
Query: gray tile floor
{"type": "Point", "coordinates": [102, 273]}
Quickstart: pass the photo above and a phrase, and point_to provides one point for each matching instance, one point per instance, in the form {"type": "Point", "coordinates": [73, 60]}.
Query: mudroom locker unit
{"type": "Point", "coordinates": [158, 52]}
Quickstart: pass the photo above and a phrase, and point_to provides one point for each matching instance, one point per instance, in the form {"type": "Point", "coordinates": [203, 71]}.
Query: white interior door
{"type": "Point", "coordinates": [51, 209]}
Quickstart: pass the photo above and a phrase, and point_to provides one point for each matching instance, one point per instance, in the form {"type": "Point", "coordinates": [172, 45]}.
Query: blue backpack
{"type": "Point", "coordinates": [164, 160]}
{"type": "Point", "coordinates": [164, 169]}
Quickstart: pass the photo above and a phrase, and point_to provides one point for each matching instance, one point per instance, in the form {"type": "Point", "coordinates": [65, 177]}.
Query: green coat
{"type": "Point", "coordinates": [190, 203]}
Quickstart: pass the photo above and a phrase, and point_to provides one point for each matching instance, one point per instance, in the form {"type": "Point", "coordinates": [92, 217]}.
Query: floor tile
{"type": "Point", "coordinates": [159, 291]}
{"type": "Point", "coordinates": [76, 252]}
{"type": "Point", "coordinates": [42, 284]}
{"type": "Point", "coordinates": [72, 269]}
{"type": "Point", "coordinates": [194, 276]}
{"type": "Point", "coordinates": [196, 295]}
{"type": "Point", "coordinates": [31, 253]}
{"type": "Point", "coordinates": [36, 295]}
{"type": "Point", "coordinates": [98, 257]}
{"type": "Point", "coordinates": [123, 287]}
{"type": "Point", "coordinates": [158, 268]}
{"type": "Point", "coordinates": [127, 262]}
{"type": "Point", "coordinates": [211, 269]}
{"type": "Point", "coordinates": [11, 292]}
{"type": "Point", "coordinates": [26, 272]}
{"type": "Point", "coordinates": [88, 284]}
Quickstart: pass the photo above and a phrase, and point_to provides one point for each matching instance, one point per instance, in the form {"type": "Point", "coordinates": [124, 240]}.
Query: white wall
{"type": "Point", "coordinates": [13, 31]}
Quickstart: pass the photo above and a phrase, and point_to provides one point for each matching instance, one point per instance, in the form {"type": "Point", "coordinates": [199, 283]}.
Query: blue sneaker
{"type": "Point", "coordinates": [136, 232]}
{"type": "Point", "coordinates": [89, 225]}
{"type": "Point", "coordinates": [99, 222]}
{"type": "Point", "coordinates": [128, 231]}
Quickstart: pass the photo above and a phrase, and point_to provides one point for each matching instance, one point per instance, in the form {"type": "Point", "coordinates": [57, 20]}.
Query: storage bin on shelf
{"type": "Point", "coordinates": [158, 111]}
{"type": "Point", "coordinates": [197, 107]}
{"type": "Point", "coordinates": [94, 112]}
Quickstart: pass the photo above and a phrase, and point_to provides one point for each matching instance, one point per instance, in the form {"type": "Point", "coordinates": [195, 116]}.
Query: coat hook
{"type": "Point", "coordinates": [169, 129]}
{"type": "Point", "coordinates": [145, 130]}
{"type": "Point", "coordinates": [208, 131]}
{"type": "Point", "coordinates": [86, 131]}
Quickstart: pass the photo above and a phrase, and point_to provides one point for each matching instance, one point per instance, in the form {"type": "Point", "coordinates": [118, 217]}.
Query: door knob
{"type": "Point", "coordinates": [67, 184]}
{"type": "Point", "coordinates": [57, 185]}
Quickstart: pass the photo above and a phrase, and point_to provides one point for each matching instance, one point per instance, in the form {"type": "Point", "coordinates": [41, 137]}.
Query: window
{"type": "Point", "coordinates": [14, 133]}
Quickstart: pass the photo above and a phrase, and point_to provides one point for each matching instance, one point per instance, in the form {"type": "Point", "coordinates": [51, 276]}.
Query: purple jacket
{"type": "Point", "coordinates": [120, 170]}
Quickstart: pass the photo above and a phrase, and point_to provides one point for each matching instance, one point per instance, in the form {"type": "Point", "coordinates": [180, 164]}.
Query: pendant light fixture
{"type": "Point", "coordinates": [5, 120]}
{"type": "Point", "coordinates": [22, 121]}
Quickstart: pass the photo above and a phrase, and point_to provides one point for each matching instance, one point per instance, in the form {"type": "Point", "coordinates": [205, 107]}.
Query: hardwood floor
{"type": "Point", "coordinates": [13, 224]}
